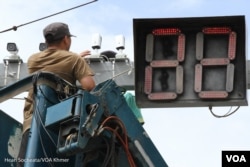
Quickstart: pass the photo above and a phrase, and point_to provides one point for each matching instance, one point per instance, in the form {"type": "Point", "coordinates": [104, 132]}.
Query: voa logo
{"type": "Point", "coordinates": [236, 158]}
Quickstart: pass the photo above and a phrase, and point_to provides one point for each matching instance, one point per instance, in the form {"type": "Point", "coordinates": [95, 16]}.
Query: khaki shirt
{"type": "Point", "coordinates": [65, 64]}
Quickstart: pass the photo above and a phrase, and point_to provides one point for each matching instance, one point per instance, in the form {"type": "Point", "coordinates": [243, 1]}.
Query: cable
{"type": "Point", "coordinates": [123, 141]}
{"type": "Point", "coordinates": [106, 57]}
{"type": "Point", "coordinates": [104, 86]}
{"type": "Point", "coordinates": [225, 115]}
{"type": "Point", "coordinates": [124, 144]}
{"type": "Point", "coordinates": [15, 27]}
{"type": "Point", "coordinates": [125, 71]}
{"type": "Point", "coordinates": [47, 98]}
{"type": "Point", "coordinates": [110, 151]}
{"type": "Point", "coordinates": [37, 115]}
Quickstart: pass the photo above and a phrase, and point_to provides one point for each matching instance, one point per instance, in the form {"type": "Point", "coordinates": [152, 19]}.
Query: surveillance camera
{"type": "Point", "coordinates": [120, 42]}
{"type": "Point", "coordinates": [12, 48]}
{"type": "Point", "coordinates": [96, 41]}
{"type": "Point", "coordinates": [42, 46]}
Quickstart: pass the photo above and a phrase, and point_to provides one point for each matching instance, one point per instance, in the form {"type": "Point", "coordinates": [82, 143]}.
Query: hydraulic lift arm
{"type": "Point", "coordinates": [82, 128]}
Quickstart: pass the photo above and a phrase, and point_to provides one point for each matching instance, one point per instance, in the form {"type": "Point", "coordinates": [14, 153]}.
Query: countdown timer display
{"type": "Point", "coordinates": [190, 62]}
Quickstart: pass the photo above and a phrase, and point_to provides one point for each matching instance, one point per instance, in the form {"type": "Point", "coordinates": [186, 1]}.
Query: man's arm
{"type": "Point", "coordinates": [87, 83]}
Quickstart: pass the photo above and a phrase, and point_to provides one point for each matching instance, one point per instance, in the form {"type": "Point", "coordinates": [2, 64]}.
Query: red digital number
{"type": "Point", "coordinates": [154, 64]}
{"type": "Point", "coordinates": [205, 62]}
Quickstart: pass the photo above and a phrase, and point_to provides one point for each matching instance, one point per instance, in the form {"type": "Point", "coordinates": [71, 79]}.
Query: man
{"type": "Point", "coordinates": [59, 60]}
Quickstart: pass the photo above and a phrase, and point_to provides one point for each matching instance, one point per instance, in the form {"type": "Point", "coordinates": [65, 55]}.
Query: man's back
{"type": "Point", "coordinates": [65, 64]}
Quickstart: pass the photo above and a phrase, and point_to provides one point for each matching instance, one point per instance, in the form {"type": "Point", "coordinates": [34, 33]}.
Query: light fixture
{"type": "Point", "coordinates": [11, 47]}
{"type": "Point", "coordinates": [120, 46]}
{"type": "Point", "coordinates": [12, 59]}
{"type": "Point", "coordinates": [96, 45]}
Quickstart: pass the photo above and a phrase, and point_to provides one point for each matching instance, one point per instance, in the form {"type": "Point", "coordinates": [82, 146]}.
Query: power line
{"type": "Point", "coordinates": [15, 27]}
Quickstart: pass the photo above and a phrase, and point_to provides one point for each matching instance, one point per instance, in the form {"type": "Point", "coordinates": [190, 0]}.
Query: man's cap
{"type": "Point", "coordinates": [56, 31]}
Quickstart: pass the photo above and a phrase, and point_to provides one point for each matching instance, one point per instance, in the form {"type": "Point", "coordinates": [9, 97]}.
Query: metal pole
{"type": "Point", "coordinates": [6, 72]}
{"type": "Point", "coordinates": [18, 70]}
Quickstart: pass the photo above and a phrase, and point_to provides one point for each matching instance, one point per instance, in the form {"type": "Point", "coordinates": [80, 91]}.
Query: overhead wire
{"type": "Point", "coordinates": [15, 27]}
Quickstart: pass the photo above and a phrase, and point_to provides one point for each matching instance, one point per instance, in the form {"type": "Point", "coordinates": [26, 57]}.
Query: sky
{"type": "Point", "coordinates": [185, 137]}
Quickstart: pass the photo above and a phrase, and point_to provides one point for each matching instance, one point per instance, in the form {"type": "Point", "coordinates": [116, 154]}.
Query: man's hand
{"type": "Point", "coordinates": [84, 53]}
